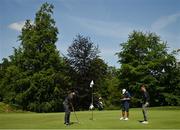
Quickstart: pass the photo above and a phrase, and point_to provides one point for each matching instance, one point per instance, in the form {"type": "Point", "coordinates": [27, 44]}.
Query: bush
{"type": "Point", "coordinates": [45, 107]}
{"type": "Point", "coordinates": [135, 102]}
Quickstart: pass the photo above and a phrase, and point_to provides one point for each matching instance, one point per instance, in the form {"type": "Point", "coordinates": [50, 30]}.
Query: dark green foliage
{"type": "Point", "coordinates": [81, 53]}
{"type": "Point", "coordinates": [144, 60]}
{"type": "Point", "coordinates": [85, 65]}
{"type": "Point", "coordinates": [112, 93]}
{"type": "Point", "coordinates": [36, 76]}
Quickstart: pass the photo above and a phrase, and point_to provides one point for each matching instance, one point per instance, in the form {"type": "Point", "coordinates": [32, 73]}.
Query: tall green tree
{"type": "Point", "coordinates": [37, 77]}
{"type": "Point", "coordinates": [144, 59]}
{"type": "Point", "coordinates": [85, 66]}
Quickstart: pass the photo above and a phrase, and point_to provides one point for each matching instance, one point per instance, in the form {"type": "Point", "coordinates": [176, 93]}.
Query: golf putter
{"type": "Point", "coordinates": [74, 113]}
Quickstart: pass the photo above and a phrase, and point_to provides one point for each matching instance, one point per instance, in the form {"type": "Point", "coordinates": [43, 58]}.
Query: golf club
{"type": "Point", "coordinates": [74, 113]}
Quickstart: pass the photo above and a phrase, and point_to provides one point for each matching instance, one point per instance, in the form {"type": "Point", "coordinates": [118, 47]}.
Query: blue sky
{"type": "Point", "coordinates": [106, 22]}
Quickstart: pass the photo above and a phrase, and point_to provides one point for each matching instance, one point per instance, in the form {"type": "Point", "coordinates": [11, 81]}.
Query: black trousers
{"type": "Point", "coordinates": [67, 114]}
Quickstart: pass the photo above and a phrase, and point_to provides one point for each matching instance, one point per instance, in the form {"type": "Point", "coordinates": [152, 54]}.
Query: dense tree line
{"type": "Point", "coordinates": [144, 60]}
{"type": "Point", "coordinates": [37, 78]}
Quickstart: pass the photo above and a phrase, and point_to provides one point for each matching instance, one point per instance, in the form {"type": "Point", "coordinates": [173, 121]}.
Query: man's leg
{"type": "Point", "coordinates": [127, 114]}
{"type": "Point", "coordinates": [68, 117]}
{"type": "Point", "coordinates": [127, 111]}
{"type": "Point", "coordinates": [67, 114]}
{"type": "Point", "coordinates": [144, 110]}
{"type": "Point", "coordinates": [123, 113]}
{"type": "Point", "coordinates": [65, 118]}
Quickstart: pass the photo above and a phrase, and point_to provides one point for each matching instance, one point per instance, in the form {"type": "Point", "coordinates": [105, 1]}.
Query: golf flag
{"type": "Point", "coordinates": [91, 107]}
{"type": "Point", "coordinates": [91, 84]}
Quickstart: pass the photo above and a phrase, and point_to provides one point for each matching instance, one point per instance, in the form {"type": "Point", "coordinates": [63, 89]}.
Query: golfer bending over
{"type": "Point", "coordinates": [145, 103]}
{"type": "Point", "coordinates": [125, 105]}
{"type": "Point", "coordinates": [67, 107]}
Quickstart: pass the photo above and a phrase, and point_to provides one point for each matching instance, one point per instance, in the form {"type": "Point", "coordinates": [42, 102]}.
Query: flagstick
{"type": "Point", "coordinates": [92, 102]}
{"type": "Point", "coordinates": [91, 85]}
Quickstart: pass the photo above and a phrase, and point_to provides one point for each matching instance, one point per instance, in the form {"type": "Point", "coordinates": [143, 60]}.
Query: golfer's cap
{"type": "Point", "coordinates": [123, 91]}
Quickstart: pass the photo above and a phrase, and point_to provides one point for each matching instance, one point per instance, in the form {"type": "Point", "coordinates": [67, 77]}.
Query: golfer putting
{"type": "Point", "coordinates": [68, 105]}
{"type": "Point", "coordinates": [125, 105]}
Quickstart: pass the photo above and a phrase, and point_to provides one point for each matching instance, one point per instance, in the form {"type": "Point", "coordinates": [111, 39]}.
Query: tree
{"type": "Point", "coordinates": [38, 41]}
{"type": "Point", "coordinates": [81, 53]}
{"type": "Point", "coordinates": [171, 82]}
{"type": "Point", "coordinates": [112, 92]}
{"type": "Point", "coordinates": [144, 59]}
{"type": "Point", "coordinates": [85, 66]}
{"type": "Point", "coordinates": [37, 76]}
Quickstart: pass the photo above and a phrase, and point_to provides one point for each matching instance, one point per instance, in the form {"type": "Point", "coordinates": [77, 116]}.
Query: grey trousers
{"type": "Point", "coordinates": [144, 110]}
{"type": "Point", "coordinates": [67, 114]}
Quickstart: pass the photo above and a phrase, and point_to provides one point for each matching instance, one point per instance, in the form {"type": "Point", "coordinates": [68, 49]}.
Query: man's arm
{"type": "Point", "coordinates": [146, 95]}
{"type": "Point", "coordinates": [123, 99]}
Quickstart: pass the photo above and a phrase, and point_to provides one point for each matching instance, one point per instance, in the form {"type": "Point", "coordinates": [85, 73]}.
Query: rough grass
{"type": "Point", "coordinates": [6, 108]}
{"type": "Point", "coordinates": [159, 118]}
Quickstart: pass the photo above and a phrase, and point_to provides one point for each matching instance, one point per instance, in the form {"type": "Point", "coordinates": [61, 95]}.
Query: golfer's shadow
{"type": "Point", "coordinates": [140, 121]}
{"type": "Point", "coordinates": [73, 123]}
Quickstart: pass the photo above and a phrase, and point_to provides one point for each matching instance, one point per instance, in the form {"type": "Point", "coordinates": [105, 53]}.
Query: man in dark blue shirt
{"type": "Point", "coordinates": [145, 103]}
{"type": "Point", "coordinates": [67, 107]}
{"type": "Point", "coordinates": [125, 105]}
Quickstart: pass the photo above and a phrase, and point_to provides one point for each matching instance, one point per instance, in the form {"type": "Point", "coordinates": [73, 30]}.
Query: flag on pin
{"type": "Point", "coordinates": [91, 84]}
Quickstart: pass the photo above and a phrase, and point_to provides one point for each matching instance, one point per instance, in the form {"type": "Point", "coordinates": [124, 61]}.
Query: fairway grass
{"type": "Point", "coordinates": [158, 119]}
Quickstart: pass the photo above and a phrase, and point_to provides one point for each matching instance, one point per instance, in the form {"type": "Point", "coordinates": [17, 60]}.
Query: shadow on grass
{"type": "Point", "coordinates": [73, 123]}
{"type": "Point", "coordinates": [140, 121]}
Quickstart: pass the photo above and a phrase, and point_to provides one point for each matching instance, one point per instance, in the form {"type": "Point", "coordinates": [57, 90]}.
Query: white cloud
{"type": "Point", "coordinates": [116, 31]}
{"type": "Point", "coordinates": [164, 21]}
{"type": "Point", "coordinates": [164, 26]}
{"type": "Point", "coordinates": [107, 28]}
{"type": "Point", "coordinates": [17, 25]}
{"type": "Point", "coordinates": [68, 4]}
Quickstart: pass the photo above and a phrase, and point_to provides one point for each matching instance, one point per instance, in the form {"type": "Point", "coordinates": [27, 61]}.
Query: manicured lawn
{"type": "Point", "coordinates": [158, 119]}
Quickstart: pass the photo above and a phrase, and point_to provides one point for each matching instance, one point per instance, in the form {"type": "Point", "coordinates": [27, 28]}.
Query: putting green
{"type": "Point", "coordinates": [158, 119]}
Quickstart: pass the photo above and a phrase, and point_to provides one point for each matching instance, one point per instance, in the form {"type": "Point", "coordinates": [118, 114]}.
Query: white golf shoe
{"type": "Point", "coordinates": [145, 122]}
{"type": "Point", "coordinates": [126, 119]}
{"type": "Point", "coordinates": [122, 118]}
